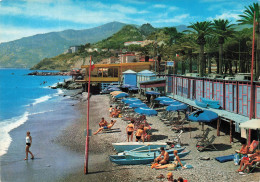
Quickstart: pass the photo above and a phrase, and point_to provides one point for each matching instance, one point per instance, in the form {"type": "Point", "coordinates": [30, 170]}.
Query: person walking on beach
{"type": "Point", "coordinates": [130, 130]}
{"type": "Point", "coordinates": [28, 145]}
{"type": "Point", "coordinates": [140, 133]}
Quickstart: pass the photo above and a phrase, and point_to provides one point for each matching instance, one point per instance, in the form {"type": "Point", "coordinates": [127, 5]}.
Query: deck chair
{"type": "Point", "coordinates": [179, 125]}
{"type": "Point", "coordinates": [204, 135]}
{"type": "Point", "coordinates": [253, 147]}
{"type": "Point", "coordinates": [206, 144]}
{"type": "Point", "coordinates": [176, 139]}
{"type": "Point", "coordinates": [251, 168]}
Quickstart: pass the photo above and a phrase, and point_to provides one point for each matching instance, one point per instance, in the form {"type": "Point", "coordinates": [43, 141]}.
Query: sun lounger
{"type": "Point", "coordinates": [251, 168]}
{"type": "Point", "coordinates": [204, 135]}
{"type": "Point", "coordinates": [206, 144]}
{"type": "Point", "coordinates": [176, 139]}
{"type": "Point", "coordinates": [253, 146]}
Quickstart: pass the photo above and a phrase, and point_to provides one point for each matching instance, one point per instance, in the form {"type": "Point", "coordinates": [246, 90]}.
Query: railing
{"type": "Point", "coordinates": [233, 96]}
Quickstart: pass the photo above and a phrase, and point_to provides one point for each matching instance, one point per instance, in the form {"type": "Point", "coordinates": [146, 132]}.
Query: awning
{"type": "Point", "coordinates": [161, 82]}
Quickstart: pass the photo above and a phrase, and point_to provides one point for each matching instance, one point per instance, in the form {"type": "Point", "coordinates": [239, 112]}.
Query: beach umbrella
{"type": "Point", "coordinates": [125, 99]}
{"type": "Point", "coordinates": [133, 88]}
{"type": "Point", "coordinates": [204, 116]}
{"type": "Point", "coordinates": [127, 86]}
{"type": "Point", "coordinates": [132, 101]}
{"type": "Point", "coordinates": [152, 93]}
{"type": "Point", "coordinates": [115, 93]}
{"type": "Point", "coordinates": [162, 98]}
{"type": "Point", "coordinates": [121, 95]}
{"type": "Point", "coordinates": [253, 124]}
{"type": "Point", "coordinates": [169, 102]}
{"type": "Point", "coordinates": [146, 111]}
{"type": "Point", "coordinates": [137, 104]}
{"type": "Point", "coordinates": [113, 89]}
{"type": "Point", "coordinates": [177, 107]}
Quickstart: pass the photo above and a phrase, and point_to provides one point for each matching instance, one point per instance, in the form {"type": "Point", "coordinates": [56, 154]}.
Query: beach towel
{"type": "Point", "coordinates": [238, 157]}
{"type": "Point", "coordinates": [225, 158]}
{"type": "Point", "coordinates": [186, 166]}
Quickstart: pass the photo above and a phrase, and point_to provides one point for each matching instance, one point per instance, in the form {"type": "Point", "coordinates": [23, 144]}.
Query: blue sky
{"type": "Point", "coordinates": [22, 18]}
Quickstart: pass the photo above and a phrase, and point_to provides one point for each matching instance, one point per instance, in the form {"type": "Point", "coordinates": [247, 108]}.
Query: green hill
{"type": "Point", "coordinates": [127, 33]}
{"type": "Point", "coordinates": [28, 51]}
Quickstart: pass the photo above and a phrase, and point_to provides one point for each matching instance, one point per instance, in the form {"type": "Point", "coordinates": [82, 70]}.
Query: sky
{"type": "Point", "coordinates": [23, 18]}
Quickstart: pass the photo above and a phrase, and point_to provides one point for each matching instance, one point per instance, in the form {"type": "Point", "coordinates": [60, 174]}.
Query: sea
{"type": "Point", "coordinates": [22, 96]}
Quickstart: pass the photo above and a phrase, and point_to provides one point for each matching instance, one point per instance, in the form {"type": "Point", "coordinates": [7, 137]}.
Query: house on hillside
{"type": "Point", "coordinates": [133, 43]}
{"type": "Point", "coordinates": [72, 49]}
{"type": "Point", "coordinates": [127, 58]}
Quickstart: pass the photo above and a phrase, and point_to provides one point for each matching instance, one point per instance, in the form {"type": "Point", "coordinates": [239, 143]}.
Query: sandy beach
{"type": "Point", "coordinates": [101, 169]}
{"type": "Point", "coordinates": [60, 151]}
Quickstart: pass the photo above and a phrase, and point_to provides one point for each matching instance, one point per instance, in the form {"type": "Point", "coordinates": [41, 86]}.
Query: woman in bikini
{"type": "Point", "coordinates": [106, 127]}
{"type": "Point", "coordinates": [140, 133]}
{"type": "Point", "coordinates": [130, 130]}
{"type": "Point", "coordinates": [28, 145]}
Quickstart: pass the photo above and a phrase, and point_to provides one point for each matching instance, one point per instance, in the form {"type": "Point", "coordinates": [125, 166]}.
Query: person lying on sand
{"type": "Point", "coordinates": [140, 133]}
{"type": "Point", "coordinates": [130, 130]}
{"type": "Point", "coordinates": [173, 165]}
{"type": "Point", "coordinates": [115, 113]}
{"type": "Point", "coordinates": [163, 158]}
{"type": "Point", "coordinates": [103, 122]}
{"type": "Point", "coordinates": [247, 161]}
{"type": "Point", "coordinates": [106, 127]}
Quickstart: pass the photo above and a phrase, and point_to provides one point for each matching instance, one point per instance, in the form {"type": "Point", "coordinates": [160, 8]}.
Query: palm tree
{"type": "Point", "coordinates": [248, 18]}
{"type": "Point", "coordinates": [223, 29]}
{"type": "Point", "coordinates": [201, 29]}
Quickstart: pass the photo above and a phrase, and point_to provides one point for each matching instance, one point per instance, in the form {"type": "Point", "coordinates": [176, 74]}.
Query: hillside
{"type": "Point", "coordinates": [127, 33]}
{"type": "Point", "coordinates": [28, 51]}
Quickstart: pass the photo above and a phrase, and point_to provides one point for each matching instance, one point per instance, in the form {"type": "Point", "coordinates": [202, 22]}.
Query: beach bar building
{"type": "Point", "coordinates": [145, 75]}
{"type": "Point", "coordinates": [233, 96]}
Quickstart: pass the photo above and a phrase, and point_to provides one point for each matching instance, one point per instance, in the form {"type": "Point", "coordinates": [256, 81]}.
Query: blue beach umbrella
{"type": "Point", "coordinates": [152, 93]}
{"type": "Point", "coordinates": [127, 86]}
{"type": "Point", "coordinates": [133, 88]}
{"type": "Point", "coordinates": [177, 107]}
{"type": "Point", "coordinates": [121, 95]}
{"type": "Point", "coordinates": [204, 116]}
{"type": "Point", "coordinates": [125, 99]}
{"type": "Point", "coordinates": [132, 101]}
{"type": "Point", "coordinates": [137, 104]}
{"type": "Point", "coordinates": [113, 89]}
{"type": "Point", "coordinates": [146, 111]}
{"type": "Point", "coordinates": [163, 98]}
{"type": "Point", "coordinates": [169, 102]}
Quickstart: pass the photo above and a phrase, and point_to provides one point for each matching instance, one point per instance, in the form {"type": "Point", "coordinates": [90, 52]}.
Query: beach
{"type": "Point", "coordinates": [59, 148]}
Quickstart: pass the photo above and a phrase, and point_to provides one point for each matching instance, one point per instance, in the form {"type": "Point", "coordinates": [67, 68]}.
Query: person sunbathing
{"type": "Point", "coordinates": [130, 130]}
{"type": "Point", "coordinates": [106, 127]}
{"type": "Point", "coordinates": [244, 148]}
{"type": "Point", "coordinates": [102, 123]}
{"type": "Point", "coordinates": [248, 161]}
{"type": "Point", "coordinates": [115, 113]}
{"type": "Point", "coordinates": [163, 158]}
{"type": "Point", "coordinates": [140, 133]}
{"type": "Point", "coordinates": [173, 165]}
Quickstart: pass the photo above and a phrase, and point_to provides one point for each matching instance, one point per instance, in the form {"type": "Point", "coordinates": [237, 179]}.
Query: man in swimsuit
{"type": "Point", "coordinates": [173, 165]}
{"type": "Point", "coordinates": [106, 127]}
{"type": "Point", "coordinates": [102, 123]}
{"type": "Point", "coordinates": [163, 158]}
{"type": "Point", "coordinates": [130, 130]}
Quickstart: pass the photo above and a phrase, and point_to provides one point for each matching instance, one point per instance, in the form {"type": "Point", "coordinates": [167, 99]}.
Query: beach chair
{"type": "Point", "coordinates": [206, 144]}
{"type": "Point", "coordinates": [251, 168]}
{"type": "Point", "coordinates": [179, 125]}
{"type": "Point", "coordinates": [253, 146]}
{"type": "Point", "coordinates": [176, 139]}
{"type": "Point", "coordinates": [204, 135]}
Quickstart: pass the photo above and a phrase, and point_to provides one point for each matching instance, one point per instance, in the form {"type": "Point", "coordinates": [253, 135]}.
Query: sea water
{"type": "Point", "coordinates": [20, 97]}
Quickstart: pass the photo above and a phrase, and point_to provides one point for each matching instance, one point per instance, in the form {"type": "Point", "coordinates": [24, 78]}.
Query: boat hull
{"type": "Point", "coordinates": [127, 146]}
{"type": "Point", "coordinates": [122, 160]}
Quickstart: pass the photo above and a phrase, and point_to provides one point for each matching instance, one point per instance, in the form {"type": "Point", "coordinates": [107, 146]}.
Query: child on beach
{"type": "Point", "coordinates": [28, 145]}
{"type": "Point", "coordinates": [130, 130]}
{"type": "Point", "coordinates": [106, 127]}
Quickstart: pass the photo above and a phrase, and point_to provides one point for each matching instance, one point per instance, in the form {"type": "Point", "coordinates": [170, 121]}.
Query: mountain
{"type": "Point", "coordinates": [147, 29]}
{"type": "Point", "coordinates": [28, 51]}
{"type": "Point", "coordinates": [127, 33]}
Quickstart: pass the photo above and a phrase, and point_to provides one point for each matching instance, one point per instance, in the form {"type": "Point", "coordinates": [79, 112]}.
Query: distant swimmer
{"type": "Point", "coordinates": [28, 145]}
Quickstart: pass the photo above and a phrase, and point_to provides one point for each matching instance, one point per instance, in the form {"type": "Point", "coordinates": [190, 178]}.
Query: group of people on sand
{"type": "Point", "coordinates": [170, 178]}
{"type": "Point", "coordinates": [103, 124]}
{"type": "Point", "coordinates": [114, 111]}
{"type": "Point", "coordinates": [143, 132]}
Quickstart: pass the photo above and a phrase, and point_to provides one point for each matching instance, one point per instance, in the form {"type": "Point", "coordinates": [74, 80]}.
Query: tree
{"type": "Point", "coordinates": [223, 29]}
{"type": "Point", "coordinates": [248, 18]}
{"type": "Point", "coordinates": [201, 29]}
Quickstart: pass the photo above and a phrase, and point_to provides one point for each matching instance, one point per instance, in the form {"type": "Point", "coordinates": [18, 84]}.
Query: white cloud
{"type": "Point", "coordinates": [159, 6]}
{"type": "Point", "coordinates": [175, 19]}
{"type": "Point", "coordinates": [228, 16]}
{"type": "Point", "coordinates": [173, 8]}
